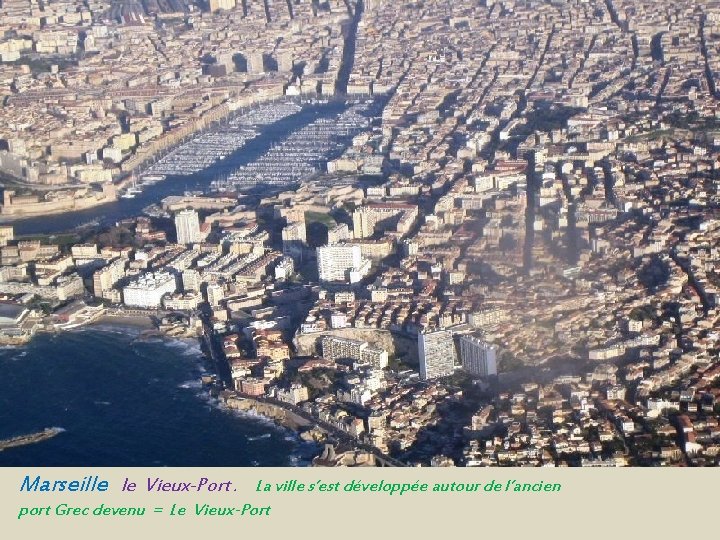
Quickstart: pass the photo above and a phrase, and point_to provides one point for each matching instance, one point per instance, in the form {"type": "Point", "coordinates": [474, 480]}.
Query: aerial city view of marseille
{"type": "Point", "coordinates": [360, 233]}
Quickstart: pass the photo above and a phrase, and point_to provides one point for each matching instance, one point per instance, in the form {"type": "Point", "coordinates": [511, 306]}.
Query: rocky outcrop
{"type": "Point", "coordinates": [279, 415]}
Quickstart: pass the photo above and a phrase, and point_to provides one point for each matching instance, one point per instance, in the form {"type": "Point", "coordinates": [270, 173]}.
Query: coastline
{"type": "Point", "coordinates": [278, 415]}
{"type": "Point", "coordinates": [167, 373]}
{"type": "Point", "coordinates": [144, 327]}
{"type": "Point", "coordinates": [51, 208]}
{"type": "Point", "coordinates": [132, 321]}
{"type": "Point", "coordinates": [302, 431]}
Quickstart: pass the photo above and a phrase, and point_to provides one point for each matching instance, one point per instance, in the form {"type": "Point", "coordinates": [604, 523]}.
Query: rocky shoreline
{"type": "Point", "coordinates": [307, 431]}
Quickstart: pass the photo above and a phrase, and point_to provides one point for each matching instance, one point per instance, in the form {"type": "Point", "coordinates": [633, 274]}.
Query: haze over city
{"type": "Point", "coordinates": [438, 233]}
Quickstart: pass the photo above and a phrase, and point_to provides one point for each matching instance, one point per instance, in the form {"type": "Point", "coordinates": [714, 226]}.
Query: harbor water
{"type": "Point", "coordinates": [239, 149]}
{"type": "Point", "coordinates": [124, 401]}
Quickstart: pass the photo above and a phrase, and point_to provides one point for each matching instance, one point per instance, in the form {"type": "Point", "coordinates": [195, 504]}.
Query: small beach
{"type": "Point", "coordinates": [134, 321]}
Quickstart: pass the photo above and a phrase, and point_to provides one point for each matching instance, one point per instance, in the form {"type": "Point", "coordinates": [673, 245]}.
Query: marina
{"type": "Point", "coordinates": [202, 152]}
{"type": "Point", "coordinates": [151, 179]}
{"type": "Point", "coordinates": [302, 154]}
{"type": "Point", "coordinates": [227, 139]}
{"type": "Point", "coordinates": [266, 114]}
{"type": "Point", "coordinates": [196, 166]}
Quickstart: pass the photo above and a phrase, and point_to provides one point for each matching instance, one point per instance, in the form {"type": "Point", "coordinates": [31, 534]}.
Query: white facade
{"type": "Point", "coordinates": [338, 234]}
{"type": "Point", "coordinates": [338, 348]}
{"type": "Point", "coordinates": [215, 294]}
{"type": "Point", "coordinates": [436, 351]}
{"type": "Point", "coordinates": [341, 263]}
{"type": "Point", "coordinates": [148, 290]}
{"type": "Point", "coordinates": [338, 320]}
{"type": "Point", "coordinates": [106, 278]}
{"type": "Point", "coordinates": [357, 274]}
{"type": "Point", "coordinates": [191, 280]}
{"type": "Point", "coordinates": [294, 239]}
{"type": "Point", "coordinates": [284, 269]}
{"type": "Point", "coordinates": [187, 226]}
{"type": "Point", "coordinates": [181, 302]}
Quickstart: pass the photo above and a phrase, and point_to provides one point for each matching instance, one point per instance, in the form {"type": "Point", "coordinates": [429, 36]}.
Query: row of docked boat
{"type": "Point", "coordinates": [265, 115]}
{"type": "Point", "coordinates": [302, 154]}
{"type": "Point", "coordinates": [202, 152]}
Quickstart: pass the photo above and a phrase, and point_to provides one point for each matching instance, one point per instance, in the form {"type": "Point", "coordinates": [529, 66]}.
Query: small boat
{"type": "Point", "coordinates": [258, 437]}
{"type": "Point", "coordinates": [152, 178]}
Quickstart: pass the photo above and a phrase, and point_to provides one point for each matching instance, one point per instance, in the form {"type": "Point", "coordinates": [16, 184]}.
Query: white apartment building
{"type": "Point", "coordinates": [187, 227]}
{"type": "Point", "coordinates": [215, 294]}
{"type": "Point", "coordinates": [284, 269]}
{"type": "Point", "coordinates": [147, 291]}
{"type": "Point", "coordinates": [106, 278]}
{"type": "Point", "coordinates": [343, 262]}
{"type": "Point", "coordinates": [191, 280]}
{"type": "Point", "coordinates": [182, 302]}
{"type": "Point", "coordinates": [436, 351]}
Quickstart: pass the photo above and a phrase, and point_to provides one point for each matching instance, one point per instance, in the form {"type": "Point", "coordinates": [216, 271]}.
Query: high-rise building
{"type": "Point", "coordinates": [255, 62]}
{"type": "Point", "coordinates": [337, 348]}
{"type": "Point", "coordinates": [106, 278]}
{"type": "Point", "coordinates": [191, 280]}
{"type": "Point", "coordinates": [436, 351]}
{"type": "Point", "coordinates": [386, 216]}
{"type": "Point", "coordinates": [224, 60]}
{"type": "Point", "coordinates": [338, 234]}
{"type": "Point", "coordinates": [187, 226]}
{"type": "Point", "coordinates": [215, 294]}
{"type": "Point", "coordinates": [478, 357]}
{"type": "Point", "coordinates": [294, 239]}
{"type": "Point", "coordinates": [284, 61]}
{"type": "Point", "coordinates": [343, 262]}
{"type": "Point", "coordinates": [409, 248]}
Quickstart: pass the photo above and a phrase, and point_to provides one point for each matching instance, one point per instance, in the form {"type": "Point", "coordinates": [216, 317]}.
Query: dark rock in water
{"type": "Point", "coordinates": [127, 403]}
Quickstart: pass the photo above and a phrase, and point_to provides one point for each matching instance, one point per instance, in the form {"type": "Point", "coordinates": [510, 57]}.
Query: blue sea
{"type": "Point", "coordinates": [126, 401]}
